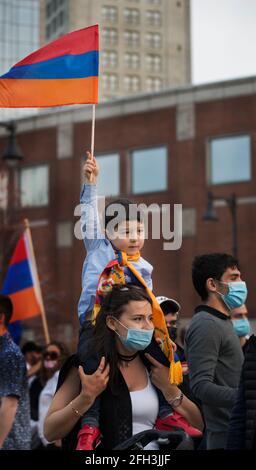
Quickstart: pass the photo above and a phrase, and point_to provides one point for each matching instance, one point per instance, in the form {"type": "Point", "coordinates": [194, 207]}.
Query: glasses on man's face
{"type": "Point", "coordinates": [52, 355]}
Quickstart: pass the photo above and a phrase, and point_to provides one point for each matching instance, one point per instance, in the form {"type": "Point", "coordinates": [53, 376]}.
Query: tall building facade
{"type": "Point", "coordinates": [203, 139]}
{"type": "Point", "coordinates": [19, 37]}
{"type": "Point", "coordinates": [144, 44]}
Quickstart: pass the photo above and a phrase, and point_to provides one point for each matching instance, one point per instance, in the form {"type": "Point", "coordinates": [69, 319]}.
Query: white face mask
{"type": "Point", "coordinates": [48, 364]}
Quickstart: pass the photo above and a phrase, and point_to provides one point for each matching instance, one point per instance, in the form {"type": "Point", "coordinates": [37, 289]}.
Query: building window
{"type": "Point", "coordinates": [109, 58]}
{"type": "Point", "coordinates": [109, 82]}
{"type": "Point", "coordinates": [230, 159]}
{"type": "Point", "coordinates": [109, 36]}
{"type": "Point", "coordinates": [154, 63]}
{"type": "Point", "coordinates": [131, 15]}
{"type": "Point", "coordinates": [154, 40]}
{"type": "Point", "coordinates": [132, 38]}
{"type": "Point", "coordinates": [109, 176]}
{"type": "Point", "coordinates": [148, 177]}
{"type": "Point", "coordinates": [34, 186]}
{"type": "Point", "coordinates": [154, 84]}
{"type": "Point", "coordinates": [154, 2]}
{"type": "Point", "coordinates": [64, 234]}
{"type": "Point", "coordinates": [109, 13]}
{"type": "Point", "coordinates": [154, 18]}
{"type": "Point", "coordinates": [132, 61]}
{"type": "Point", "coordinates": [132, 83]}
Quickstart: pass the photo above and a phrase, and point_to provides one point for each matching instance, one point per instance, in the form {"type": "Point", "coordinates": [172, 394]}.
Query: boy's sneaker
{"type": "Point", "coordinates": [174, 421]}
{"type": "Point", "coordinates": [88, 438]}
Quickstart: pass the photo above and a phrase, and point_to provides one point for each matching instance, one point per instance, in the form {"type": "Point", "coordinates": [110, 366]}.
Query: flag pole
{"type": "Point", "coordinates": [92, 135]}
{"type": "Point", "coordinates": [93, 130]}
{"type": "Point", "coordinates": [39, 292]}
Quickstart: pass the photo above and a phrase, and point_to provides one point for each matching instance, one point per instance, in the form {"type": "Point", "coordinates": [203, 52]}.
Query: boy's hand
{"type": "Point", "coordinates": [91, 169]}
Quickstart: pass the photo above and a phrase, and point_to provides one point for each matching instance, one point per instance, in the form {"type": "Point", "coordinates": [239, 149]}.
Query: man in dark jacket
{"type": "Point", "coordinates": [242, 427]}
{"type": "Point", "coordinates": [212, 347]}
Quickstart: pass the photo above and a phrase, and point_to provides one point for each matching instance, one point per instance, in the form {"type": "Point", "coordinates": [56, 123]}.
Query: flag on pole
{"type": "Point", "coordinates": [21, 282]}
{"type": "Point", "coordinates": [63, 72]}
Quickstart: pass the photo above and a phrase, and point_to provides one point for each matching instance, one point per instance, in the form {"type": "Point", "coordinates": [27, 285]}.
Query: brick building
{"type": "Point", "coordinates": [169, 147]}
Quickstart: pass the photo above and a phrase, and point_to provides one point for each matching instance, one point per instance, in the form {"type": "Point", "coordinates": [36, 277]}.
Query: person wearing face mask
{"type": "Point", "coordinates": [171, 309]}
{"type": "Point", "coordinates": [54, 356]}
{"type": "Point", "coordinates": [242, 327]}
{"type": "Point", "coordinates": [211, 345]}
{"type": "Point", "coordinates": [130, 402]}
{"type": "Point", "coordinates": [114, 257]}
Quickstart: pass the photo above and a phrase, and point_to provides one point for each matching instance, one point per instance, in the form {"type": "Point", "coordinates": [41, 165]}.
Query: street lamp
{"type": "Point", "coordinates": [12, 154]}
{"type": "Point", "coordinates": [210, 214]}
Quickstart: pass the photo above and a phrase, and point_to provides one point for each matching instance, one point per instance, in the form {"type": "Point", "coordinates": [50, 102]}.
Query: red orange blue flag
{"type": "Point", "coordinates": [63, 72]}
{"type": "Point", "coordinates": [21, 282]}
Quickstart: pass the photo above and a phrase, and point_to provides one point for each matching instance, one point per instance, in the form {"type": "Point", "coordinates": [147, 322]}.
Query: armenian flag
{"type": "Point", "coordinates": [63, 72]}
{"type": "Point", "coordinates": [21, 282]}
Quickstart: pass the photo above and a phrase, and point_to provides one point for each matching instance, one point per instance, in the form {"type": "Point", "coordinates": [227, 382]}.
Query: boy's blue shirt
{"type": "Point", "coordinates": [99, 252]}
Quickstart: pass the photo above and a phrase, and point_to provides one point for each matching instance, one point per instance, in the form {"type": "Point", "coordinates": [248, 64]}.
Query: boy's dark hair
{"type": "Point", "coordinates": [103, 341]}
{"type": "Point", "coordinates": [211, 265]}
{"type": "Point", "coordinates": [126, 211]}
{"type": "Point", "coordinates": [6, 308]}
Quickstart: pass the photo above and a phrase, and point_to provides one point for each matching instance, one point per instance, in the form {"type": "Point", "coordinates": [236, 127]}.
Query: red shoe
{"type": "Point", "coordinates": [88, 438]}
{"type": "Point", "coordinates": [174, 421]}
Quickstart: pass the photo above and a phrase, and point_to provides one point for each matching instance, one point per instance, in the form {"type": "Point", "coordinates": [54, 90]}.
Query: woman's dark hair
{"type": "Point", "coordinates": [122, 210]}
{"type": "Point", "coordinates": [212, 265]}
{"type": "Point", "coordinates": [103, 342]}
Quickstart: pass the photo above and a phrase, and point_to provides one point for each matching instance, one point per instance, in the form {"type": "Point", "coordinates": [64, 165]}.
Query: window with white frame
{"type": "Point", "coordinates": [149, 170]}
{"type": "Point", "coordinates": [34, 186]}
{"type": "Point", "coordinates": [131, 15]}
{"type": "Point", "coordinates": [109, 36]}
{"type": "Point", "coordinates": [154, 2]}
{"type": "Point", "coordinates": [153, 40]}
{"type": "Point", "coordinates": [154, 84]}
{"type": "Point", "coordinates": [109, 13]}
{"type": "Point", "coordinates": [132, 38]}
{"type": "Point", "coordinates": [131, 83]}
{"type": "Point", "coordinates": [154, 63]}
{"type": "Point", "coordinates": [230, 159]}
{"type": "Point", "coordinates": [132, 60]}
{"type": "Point", "coordinates": [154, 18]}
{"type": "Point", "coordinates": [109, 82]}
{"type": "Point", "coordinates": [109, 177]}
{"type": "Point", "coordinates": [109, 58]}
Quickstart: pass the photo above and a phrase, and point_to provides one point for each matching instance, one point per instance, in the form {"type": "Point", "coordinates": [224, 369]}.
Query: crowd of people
{"type": "Point", "coordinates": [132, 372]}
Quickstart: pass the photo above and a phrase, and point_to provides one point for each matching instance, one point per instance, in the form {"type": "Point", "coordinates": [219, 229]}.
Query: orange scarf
{"type": "Point", "coordinates": [113, 274]}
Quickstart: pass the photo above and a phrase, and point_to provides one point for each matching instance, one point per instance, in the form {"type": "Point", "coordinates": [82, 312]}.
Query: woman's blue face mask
{"type": "Point", "coordinates": [136, 338]}
{"type": "Point", "coordinates": [236, 296]}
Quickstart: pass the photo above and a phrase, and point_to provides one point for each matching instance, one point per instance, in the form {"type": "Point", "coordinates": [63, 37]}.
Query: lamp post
{"type": "Point", "coordinates": [12, 155]}
{"type": "Point", "coordinates": [210, 215]}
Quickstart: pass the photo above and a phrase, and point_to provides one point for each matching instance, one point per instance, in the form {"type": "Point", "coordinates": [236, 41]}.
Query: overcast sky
{"type": "Point", "coordinates": [223, 39]}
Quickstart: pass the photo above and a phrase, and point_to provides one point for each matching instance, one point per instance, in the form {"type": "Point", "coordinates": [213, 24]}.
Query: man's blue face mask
{"type": "Point", "coordinates": [242, 327]}
{"type": "Point", "coordinates": [136, 339]}
{"type": "Point", "coordinates": [236, 296]}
